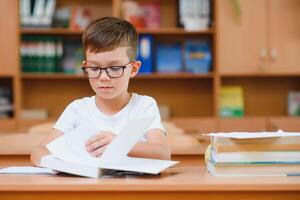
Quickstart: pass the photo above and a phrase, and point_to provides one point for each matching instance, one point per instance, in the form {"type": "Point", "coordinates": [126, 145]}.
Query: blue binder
{"type": "Point", "coordinates": [145, 53]}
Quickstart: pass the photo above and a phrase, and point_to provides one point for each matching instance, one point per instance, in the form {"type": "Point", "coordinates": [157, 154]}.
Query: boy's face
{"type": "Point", "coordinates": [107, 87]}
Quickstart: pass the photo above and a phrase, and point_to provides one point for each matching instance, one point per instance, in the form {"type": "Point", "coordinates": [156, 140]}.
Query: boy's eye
{"type": "Point", "coordinates": [94, 68]}
{"type": "Point", "coordinates": [115, 68]}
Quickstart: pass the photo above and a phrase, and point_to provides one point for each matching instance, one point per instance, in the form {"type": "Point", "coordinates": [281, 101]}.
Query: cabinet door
{"type": "Point", "coordinates": [9, 52]}
{"type": "Point", "coordinates": [241, 39]}
{"type": "Point", "coordinates": [285, 36]}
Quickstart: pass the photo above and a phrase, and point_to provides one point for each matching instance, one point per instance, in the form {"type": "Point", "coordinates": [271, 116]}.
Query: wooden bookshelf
{"type": "Point", "coordinates": [260, 61]}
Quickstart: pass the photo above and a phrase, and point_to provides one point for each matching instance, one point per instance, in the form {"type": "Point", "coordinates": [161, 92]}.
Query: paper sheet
{"type": "Point", "coordinates": [26, 170]}
{"type": "Point", "coordinates": [249, 135]}
{"type": "Point", "coordinates": [71, 147]}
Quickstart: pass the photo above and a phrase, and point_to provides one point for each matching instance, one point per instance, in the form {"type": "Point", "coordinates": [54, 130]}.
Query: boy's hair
{"type": "Point", "coordinates": [109, 33]}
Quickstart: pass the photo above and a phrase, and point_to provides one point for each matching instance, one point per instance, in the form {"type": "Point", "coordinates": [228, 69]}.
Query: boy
{"type": "Point", "coordinates": [110, 46]}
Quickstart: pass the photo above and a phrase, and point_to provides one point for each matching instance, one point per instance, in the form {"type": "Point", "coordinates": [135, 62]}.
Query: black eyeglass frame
{"type": "Point", "coordinates": [105, 69]}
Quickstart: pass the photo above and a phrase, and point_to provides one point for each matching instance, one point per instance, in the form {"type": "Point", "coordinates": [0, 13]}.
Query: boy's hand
{"type": "Point", "coordinates": [98, 143]}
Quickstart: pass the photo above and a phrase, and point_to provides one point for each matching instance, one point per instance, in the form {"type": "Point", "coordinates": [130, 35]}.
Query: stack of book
{"type": "Point", "coordinates": [254, 154]}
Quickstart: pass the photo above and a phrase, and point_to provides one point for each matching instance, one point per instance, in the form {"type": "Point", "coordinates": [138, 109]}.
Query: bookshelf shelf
{"type": "Point", "coordinates": [175, 31]}
{"type": "Point", "coordinates": [6, 75]}
{"type": "Point", "coordinates": [50, 31]}
{"type": "Point", "coordinates": [65, 31]}
{"type": "Point", "coordinates": [140, 76]}
{"type": "Point", "coordinates": [51, 76]}
{"type": "Point", "coordinates": [254, 75]}
{"type": "Point", "coordinates": [173, 76]}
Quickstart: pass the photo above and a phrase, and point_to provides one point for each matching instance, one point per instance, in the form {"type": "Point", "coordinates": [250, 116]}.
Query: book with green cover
{"type": "Point", "coordinates": [231, 101]}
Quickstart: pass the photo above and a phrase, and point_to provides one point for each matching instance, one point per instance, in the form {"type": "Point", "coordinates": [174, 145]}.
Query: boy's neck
{"type": "Point", "coordinates": [112, 106]}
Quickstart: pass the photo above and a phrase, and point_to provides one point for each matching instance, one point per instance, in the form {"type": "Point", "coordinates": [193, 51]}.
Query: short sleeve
{"type": "Point", "coordinates": [68, 120]}
{"type": "Point", "coordinates": [152, 110]}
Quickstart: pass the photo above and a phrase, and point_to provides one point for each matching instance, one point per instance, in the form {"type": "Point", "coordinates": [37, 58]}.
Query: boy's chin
{"type": "Point", "coordinates": [106, 96]}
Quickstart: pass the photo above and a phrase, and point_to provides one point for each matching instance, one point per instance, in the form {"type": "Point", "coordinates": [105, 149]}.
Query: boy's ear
{"type": "Point", "coordinates": [135, 68]}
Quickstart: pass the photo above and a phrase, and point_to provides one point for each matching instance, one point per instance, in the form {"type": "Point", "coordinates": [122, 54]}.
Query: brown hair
{"type": "Point", "coordinates": [109, 33]}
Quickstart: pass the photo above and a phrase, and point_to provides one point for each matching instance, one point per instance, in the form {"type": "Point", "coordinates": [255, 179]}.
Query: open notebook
{"type": "Point", "coordinates": [68, 153]}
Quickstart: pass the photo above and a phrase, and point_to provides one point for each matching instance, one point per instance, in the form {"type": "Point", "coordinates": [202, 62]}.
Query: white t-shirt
{"type": "Point", "coordinates": [85, 112]}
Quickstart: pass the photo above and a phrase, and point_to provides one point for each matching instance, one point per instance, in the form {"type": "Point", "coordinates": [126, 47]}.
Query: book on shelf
{"type": "Point", "coordinates": [145, 53]}
{"type": "Point", "coordinates": [80, 17]}
{"type": "Point", "coordinates": [40, 114]}
{"type": "Point", "coordinates": [41, 53]}
{"type": "Point", "coordinates": [152, 14]}
{"type": "Point", "coordinates": [294, 103]}
{"type": "Point", "coordinates": [231, 101]}
{"type": "Point", "coordinates": [62, 17]}
{"type": "Point", "coordinates": [194, 14]}
{"type": "Point", "coordinates": [6, 105]}
{"type": "Point", "coordinates": [236, 154]}
{"type": "Point", "coordinates": [37, 13]}
{"type": "Point", "coordinates": [197, 56]}
{"type": "Point", "coordinates": [68, 153]}
{"type": "Point", "coordinates": [142, 14]}
{"type": "Point", "coordinates": [73, 57]}
{"type": "Point", "coordinates": [168, 57]}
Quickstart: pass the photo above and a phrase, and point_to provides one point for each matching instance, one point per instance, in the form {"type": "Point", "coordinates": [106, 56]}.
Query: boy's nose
{"type": "Point", "coordinates": [104, 75]}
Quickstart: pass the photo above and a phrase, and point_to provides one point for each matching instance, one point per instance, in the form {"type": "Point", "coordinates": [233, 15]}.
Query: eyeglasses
{"type": "Point", "coordinates": [111, 71]}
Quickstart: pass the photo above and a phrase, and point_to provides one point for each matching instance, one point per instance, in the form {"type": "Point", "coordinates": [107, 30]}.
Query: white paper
{"type": "Point", "coordinates": [250, 135]}
{"type": "Point", "coordinates": [71, 147]}
{"type": "Point", "coordinates": [26, 170]}
{"type": "Point", "coordinates": [131, 133]}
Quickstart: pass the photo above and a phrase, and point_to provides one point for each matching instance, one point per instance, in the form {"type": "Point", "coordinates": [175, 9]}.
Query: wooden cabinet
{"type": "Point", "coordinates": [284, 36]}
{"type": "Point", "coordinates": [9, 38]}
{"type": "Point", "coordinates": [263, 38]}
{"type": "Point", "coordinates": [9, 59]}
{"type": "Point", "coordinates": [242, 38]}
{"type": "Point", "coordinates": [258, 48]}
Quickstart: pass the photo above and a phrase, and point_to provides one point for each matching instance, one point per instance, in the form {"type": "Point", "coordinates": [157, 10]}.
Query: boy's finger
{"type": "Point", "coordinates": [98, 152]}
{"type": "Point", "coordinates": [97, 144]}
{"type": "Point", "coordinates": [95, 138]}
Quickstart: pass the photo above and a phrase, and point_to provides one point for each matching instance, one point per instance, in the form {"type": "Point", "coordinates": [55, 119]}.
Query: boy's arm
{"type": "Point", "coordinates": [39, 151]}
{"type": "Point", "coordinates": [155, 147]}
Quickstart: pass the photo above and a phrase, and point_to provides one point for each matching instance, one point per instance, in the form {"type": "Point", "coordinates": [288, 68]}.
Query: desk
{"type": "Point", "coordinates": [189, 180]}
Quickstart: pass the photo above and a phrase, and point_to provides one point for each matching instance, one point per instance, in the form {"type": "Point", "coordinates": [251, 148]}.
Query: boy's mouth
{"type": "Point", "coordinates": [105, 88]}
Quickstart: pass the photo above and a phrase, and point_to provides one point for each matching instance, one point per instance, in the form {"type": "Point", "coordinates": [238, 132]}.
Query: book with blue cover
{"type": "Point", "coordinates": [197, 56]}
{"type": "Point", "coordinates": [145, 53]}
{"type": "Point", "coordinates": [168, 57]}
